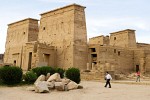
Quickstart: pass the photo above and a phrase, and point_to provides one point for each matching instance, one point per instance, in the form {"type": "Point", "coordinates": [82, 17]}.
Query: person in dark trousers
{"type": "Point", "coordinates": [138, 76]}
{"type": "Point", "coordinates": [108, 78]}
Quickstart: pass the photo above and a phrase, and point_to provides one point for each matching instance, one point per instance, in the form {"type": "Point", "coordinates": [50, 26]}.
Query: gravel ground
{"type": "Point", "coordinates": [92, 91]}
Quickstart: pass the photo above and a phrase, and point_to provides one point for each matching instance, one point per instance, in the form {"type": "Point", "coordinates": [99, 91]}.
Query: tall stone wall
{"type": "Point", "coordinates": [147, 65]}
{"type": "Point", "coordinates": [65, 29]}
{"type": "Point", "coordinates": [139, 59]}
{"type": "Point", "coordinates": [80, 38]}
{"type": "Point", "coordinates": [18, 34]}
{"type": "Point", "coordinates": [109, 58]}
{"type": "Point", "coordinates": [143, 46]}
{"type": "Point", "coordinates": [142, 59]}
{"type": "Point", "coordinates": [13, 56]}
{"type": "Point", "coordinates": [125, 38]}
{"type": "Point", "coordinates": [101, 40]}
{"type": "Point", "coordinates": [119, 58]}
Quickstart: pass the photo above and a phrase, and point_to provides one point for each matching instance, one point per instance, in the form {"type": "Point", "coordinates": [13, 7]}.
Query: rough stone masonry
{"type": "Point", "coordinates": [60, 40]}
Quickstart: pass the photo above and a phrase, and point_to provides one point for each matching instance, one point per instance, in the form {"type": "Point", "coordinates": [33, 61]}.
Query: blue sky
{"type": "Point", "coordinates": [102, 16]}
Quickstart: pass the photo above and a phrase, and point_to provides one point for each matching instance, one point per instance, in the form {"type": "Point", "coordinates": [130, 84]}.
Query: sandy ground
{"type": "Point", "coordinates": [92, 91]}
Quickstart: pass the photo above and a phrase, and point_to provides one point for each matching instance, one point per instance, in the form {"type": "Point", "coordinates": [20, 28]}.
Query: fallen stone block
{"type": "Point", "coordinates": [41, 87]}
{"type": "Point", "coordinates": [72, 85]}
{"type": "Point", "coordinates": [54, 77]}
{"type": "Point", "coordinates": [65, 81]}
{"type": "Point", "coordinates": [50, 85]}
{"type": "Point", "coordinates": [59, 86]}
{"type": "Point", "coordinates": [47, 76]}
{"type": "Point", "coordinates": [40, 78]}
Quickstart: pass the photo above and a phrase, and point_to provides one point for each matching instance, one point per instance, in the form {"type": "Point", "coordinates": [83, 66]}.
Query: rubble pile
{"type": "Point", "coordinates": [45, 84]}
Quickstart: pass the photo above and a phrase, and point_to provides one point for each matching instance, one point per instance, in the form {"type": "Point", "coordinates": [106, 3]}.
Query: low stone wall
{"type": "Point", "coordinates": [92, 75]}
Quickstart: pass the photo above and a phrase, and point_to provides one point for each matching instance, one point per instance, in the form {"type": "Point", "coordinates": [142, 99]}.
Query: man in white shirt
{"type": "Point", "coordinates": [108, 78]}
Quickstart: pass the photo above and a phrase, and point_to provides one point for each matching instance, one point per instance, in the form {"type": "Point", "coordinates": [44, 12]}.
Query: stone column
{"type": "Point", "coordinates": [87, 66]}
{"type": "Point", "coordinates": [93, 66]}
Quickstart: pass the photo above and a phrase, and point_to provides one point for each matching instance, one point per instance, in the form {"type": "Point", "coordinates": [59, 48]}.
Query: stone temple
{"type": "Point", "coordinates": [59, 39]}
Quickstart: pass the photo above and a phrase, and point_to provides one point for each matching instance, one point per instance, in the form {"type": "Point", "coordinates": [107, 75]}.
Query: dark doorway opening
{"type": "Point", "coordinates": [14, 62]}
{"type": "Point", "coordinates": [30, 60]}
{"type": "Point", "coordinates": [137, 68]}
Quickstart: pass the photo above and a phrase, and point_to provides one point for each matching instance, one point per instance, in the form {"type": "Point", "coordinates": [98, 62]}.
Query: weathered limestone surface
{"type": "Point", "coordinates": [59, 86]}
{"type": "Point", "coordinates": [65, 81]}
{"type": "Point", "coordinates": [62, 33]}
{"type": "Point", "coordinates": [65, 28]}
{"type": "Point", "coordinates": [18, 34]}
{"type": "Point", "coordinates": [125, 38]}
{"type": "Point", "coordinates": [40, 78]}
{"type": "Point", "coordinates": [101, 40]}
{"type": "Point", "coordinates": [72, 85]}
{"type": "Point", "coordinates": [110, 60]}
{"type": "Point", "coordinates": [54, 77]}
{"type": "Point", "coordinates": [121, 55]}
{"type": "Point", "coordinates": [41, 87]}
{"type": "Point", "coordinates": [47, 76]}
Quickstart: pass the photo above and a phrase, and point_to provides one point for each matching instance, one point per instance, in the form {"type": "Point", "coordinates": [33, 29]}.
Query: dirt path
{"type": "Point", "coordinates": [92, 91]}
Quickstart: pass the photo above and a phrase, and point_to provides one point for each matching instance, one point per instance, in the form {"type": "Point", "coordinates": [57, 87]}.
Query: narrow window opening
{"type": "Point", "coordinates": [43, 28]}
{"type": "Point", "coordinates": [93, 49]}
{"type": "Point", "coordinates": [118, 53]}
{"type": "Point", "coordinates": [114, 50]}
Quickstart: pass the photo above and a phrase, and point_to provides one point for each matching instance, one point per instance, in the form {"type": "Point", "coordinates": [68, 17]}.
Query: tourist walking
{"type": "Point", "coordinates": [138, 76]}
{"type": "Point", "coordinates": [108, 78]}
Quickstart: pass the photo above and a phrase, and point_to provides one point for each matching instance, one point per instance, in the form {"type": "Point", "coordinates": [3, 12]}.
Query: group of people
{"type": "Point", "coordinates": [108, 78]}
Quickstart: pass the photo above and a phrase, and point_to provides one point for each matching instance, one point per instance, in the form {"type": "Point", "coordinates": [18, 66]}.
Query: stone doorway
{"type": "Point", "coordinates": [14, 62]}
{"type": "Point", "coordinates": [137, 68]}
{"type": "Point", "coordinates": [47, 59]}
{"type": "Point", "coordinates": [30, 60]}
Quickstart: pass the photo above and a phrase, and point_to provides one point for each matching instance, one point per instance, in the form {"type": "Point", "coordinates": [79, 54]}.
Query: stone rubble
{"type": "Point", "coordinates": [47, 76]}
{"type": "Point", "coordinates": [41, 87]}
{"type": "Point", "coordinates": [54, 77]}
{"type": "Point", "coordinates": [43, 84]}
{"type": "Point", "coordinates": [40, 78]}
